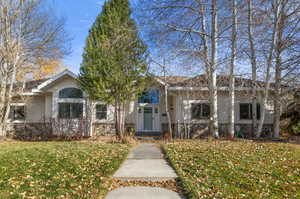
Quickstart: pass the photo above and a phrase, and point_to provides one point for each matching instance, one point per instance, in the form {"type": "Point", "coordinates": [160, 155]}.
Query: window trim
{"type": "Point", "coordinates": [56, 100]}
{"type": "Point", "coordinates": [95, 112]}
{"type": "Point", "coordinates": [201, 103]}
{"type": "Point", "coordinates": [250, 111]}
{"type": "Point", "coordinates": [69, 103]}
{"type": "Point", "coordinates": [78, 89]}
{"type": "Point", "coordinates": [146, 91]}
{"type": "Point", "coordinates": [25, 112]}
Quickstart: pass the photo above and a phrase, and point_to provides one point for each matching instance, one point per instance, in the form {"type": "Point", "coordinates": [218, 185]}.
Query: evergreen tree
{"type": "Point", "coordinates": [113, 68]}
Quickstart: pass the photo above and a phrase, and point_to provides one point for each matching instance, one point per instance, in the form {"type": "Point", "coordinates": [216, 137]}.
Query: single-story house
{"type": "Point", "coordinates": [60, 98]}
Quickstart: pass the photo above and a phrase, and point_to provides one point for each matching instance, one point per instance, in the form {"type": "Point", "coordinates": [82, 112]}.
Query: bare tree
{"type": "Point", "coordinates": [163, 67]}
{"type": "Point", "coordinates": [253, 65]}
{"type": "Point", "coordinates": [262, 20]}
{"type": "Point", "coordinates": [198, 30]}
{"type": "Point", "coordinates": [287, 54]}
{"type": "Point", "coordinates": [274, 10]}
{"type": "Point", "coordinates": [211, 68]}
{"type": "Point", "coordinates": [232, 68]}
{"type": "Point", "coordinates": [27, 33]}
{"type": "Point", "coordinates": [193, 31]}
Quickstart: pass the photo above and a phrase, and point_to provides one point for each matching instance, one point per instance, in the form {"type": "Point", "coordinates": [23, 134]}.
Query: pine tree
{"type": "Point", "coordinates": [113, 68]}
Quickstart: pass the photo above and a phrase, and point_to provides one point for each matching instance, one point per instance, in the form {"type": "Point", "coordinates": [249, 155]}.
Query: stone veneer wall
{"type": "Point", "coordinates": [103, 129]}
{"type": "Point", "coordinates": [40, 131]}
{"type": "Point", "coordinates": [108, 129]}
{"type": "Point", "coordinates": [181, 130]}
{"type": "Point", "coordinates": [47, 130]}
{"type": "Point", "coordinates": [30, 131]}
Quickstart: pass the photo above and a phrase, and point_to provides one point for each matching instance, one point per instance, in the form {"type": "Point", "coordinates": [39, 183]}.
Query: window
{"type": "Point", "coordinates": [70, 110]}
{"type": "Point", "coordinates": [70, 93]}
{"type": "Point", "coordinates": [200, 111]}
{"type": "Point", "coordinates": [246, 111]}
{"type": "Point", "coordinates": [17, 113]}
{"type": "Point", "coordinates": [150, 97]}
{"type": "Point", "coordinates": [101, 111]}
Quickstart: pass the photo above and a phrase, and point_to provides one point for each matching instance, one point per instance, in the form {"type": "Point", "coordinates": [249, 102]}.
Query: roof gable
{"type": "Point", "coordinates": [54, 79]}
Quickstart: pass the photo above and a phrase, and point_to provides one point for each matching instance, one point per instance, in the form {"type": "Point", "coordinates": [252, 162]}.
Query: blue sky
{"type": "Point", "coordinates": [80, 15]}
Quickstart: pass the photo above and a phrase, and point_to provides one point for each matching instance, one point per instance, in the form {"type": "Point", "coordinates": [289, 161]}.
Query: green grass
{"type": "Point", "coordinates": [58, 169]}
{"type": "Point", "coordinates": [241, 169]}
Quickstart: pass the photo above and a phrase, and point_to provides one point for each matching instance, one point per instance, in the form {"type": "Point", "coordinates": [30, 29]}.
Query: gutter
{"type": "Point", "coordinates": [206, 89]}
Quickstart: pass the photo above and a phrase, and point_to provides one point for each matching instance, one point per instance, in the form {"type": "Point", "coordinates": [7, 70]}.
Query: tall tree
{"type": "Point", "coordinates": [212, 67]}
{"type": "Point", "coordinates": [114, 60]}
{"type": "Point", "coordinates": [232, 68]}
{"type": "Point", "coordinates": [274, 10]}
{"type": "Point", "coordinates": [253, 59]}
{"type": "Point", "coordinates": [192, 30]}
{"type": "Point", "coordinates": [27, 33]}
{"type": "Point", "coordinates": [287, 56]}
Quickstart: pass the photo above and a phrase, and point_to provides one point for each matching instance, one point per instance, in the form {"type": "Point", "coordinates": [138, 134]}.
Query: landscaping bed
{"type": "Point", "coordinates": [236, 169]}
{"type": "Point", "coordinates": [58, 169]}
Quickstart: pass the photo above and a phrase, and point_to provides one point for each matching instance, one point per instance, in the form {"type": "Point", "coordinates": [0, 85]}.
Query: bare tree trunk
{"type": "Point", "coordinates": [168, 112]}
{"type": "Point", "coordinates": [188, 123]}
{"type": "Point", "coordinates": [269, 66]}
{"type": "Point", "coordinates": [232, 68]}
{"type": "Point", "coordinates": [8, 101]}
{"type": "Point", "coordinates": [90, 116]}
{"type": "Point", "coordinates": [253, 66]}
{"type": "Point", "coordinates": [278, 72]}
{"type": "Point", "coordinates": [24, 38]}
{"type": "Point", "coordinates": [123, 115]}
{"type": "Point", "coordinates": [212, 72]}
{"type": "Point", "coordinates": [3, 104]}
{"type": "Point", "coordinates": [277, 95]}
{"type": "Point", "coordinates": [166, 100]}
{"type": "Point", "coordinates": [118, 119]}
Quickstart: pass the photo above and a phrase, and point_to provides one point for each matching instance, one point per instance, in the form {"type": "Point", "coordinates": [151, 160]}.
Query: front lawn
{"type": "Point", "coordinates": [58, 169]}
{"type": "Point", "coordinates": [241, 169]}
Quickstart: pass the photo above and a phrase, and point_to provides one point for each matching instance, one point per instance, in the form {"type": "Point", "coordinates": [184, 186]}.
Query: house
{"type": "Point", "coordinates": [60, 98]}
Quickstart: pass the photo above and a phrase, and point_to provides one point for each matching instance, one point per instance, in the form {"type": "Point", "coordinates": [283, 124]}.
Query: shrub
{"type": "Point", "coordinates": [296, 128]}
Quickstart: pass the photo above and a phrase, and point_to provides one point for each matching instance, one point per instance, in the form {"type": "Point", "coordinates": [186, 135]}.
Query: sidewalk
{"type": "Point", "coordinates": [144, 163]}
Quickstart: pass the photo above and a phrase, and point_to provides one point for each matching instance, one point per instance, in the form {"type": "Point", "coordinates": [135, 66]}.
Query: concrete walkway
{"type": "Point", "coordinates": [142, 193]}
{"type": "Point", "coordinates": [145, 162]}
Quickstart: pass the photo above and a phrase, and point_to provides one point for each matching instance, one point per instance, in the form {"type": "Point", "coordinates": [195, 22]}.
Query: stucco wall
{"type": "Point", "coordinates": [54, 88]}
{"type": "Point", "coordinates": [46, 105]}
{"type": "Point", "coordinates": [35, 109]}
{"type": "Point", "coordinates": [184, 100]}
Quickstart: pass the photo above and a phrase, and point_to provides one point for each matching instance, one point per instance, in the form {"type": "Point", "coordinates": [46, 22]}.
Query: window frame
{"type": "Point", "coordinates": [201, 104]}
{"type": "Point", "coordinates": [60, 93]}
{"type": "Point", "coordinates": [106, 112]}
{"type": "Point", "coordinates": [258, 111]}
{"type": "Point", "coordinates": [12, 107]}
{"type": "Point", "coordinates": [71, 114]}
{"type": "Point", "coordinates": [147, 95]}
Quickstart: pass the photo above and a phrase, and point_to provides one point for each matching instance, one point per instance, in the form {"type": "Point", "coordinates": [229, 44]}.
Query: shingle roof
{"type": "Point", "coordinates": [173, 79]}
{"type": "Point", "coordinates": [34, 84]}
{"type": "Point", "coordinates": [222, 81]}
{"type": "Point", "coordinates": [180, 81]}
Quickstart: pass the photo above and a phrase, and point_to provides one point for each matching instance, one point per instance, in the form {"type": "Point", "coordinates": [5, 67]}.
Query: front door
{"type": "Point", "coordinates": [148, 118]}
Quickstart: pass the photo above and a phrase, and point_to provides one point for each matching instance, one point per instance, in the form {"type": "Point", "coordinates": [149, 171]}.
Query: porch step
{"type": "Point", "coordinates": [148, 138]}
{"type": "Point", "coordinates": [143, 133]}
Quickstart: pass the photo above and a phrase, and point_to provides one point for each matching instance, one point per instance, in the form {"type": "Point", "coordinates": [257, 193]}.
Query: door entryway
{"type": "Point", "coordinates": [148, 118]}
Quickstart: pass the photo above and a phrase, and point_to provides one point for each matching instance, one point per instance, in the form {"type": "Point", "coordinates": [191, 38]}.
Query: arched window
{"type": "Point", "coordinates": [151, 96]}
{"type": "Point", "coordinates": [70, 93]}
